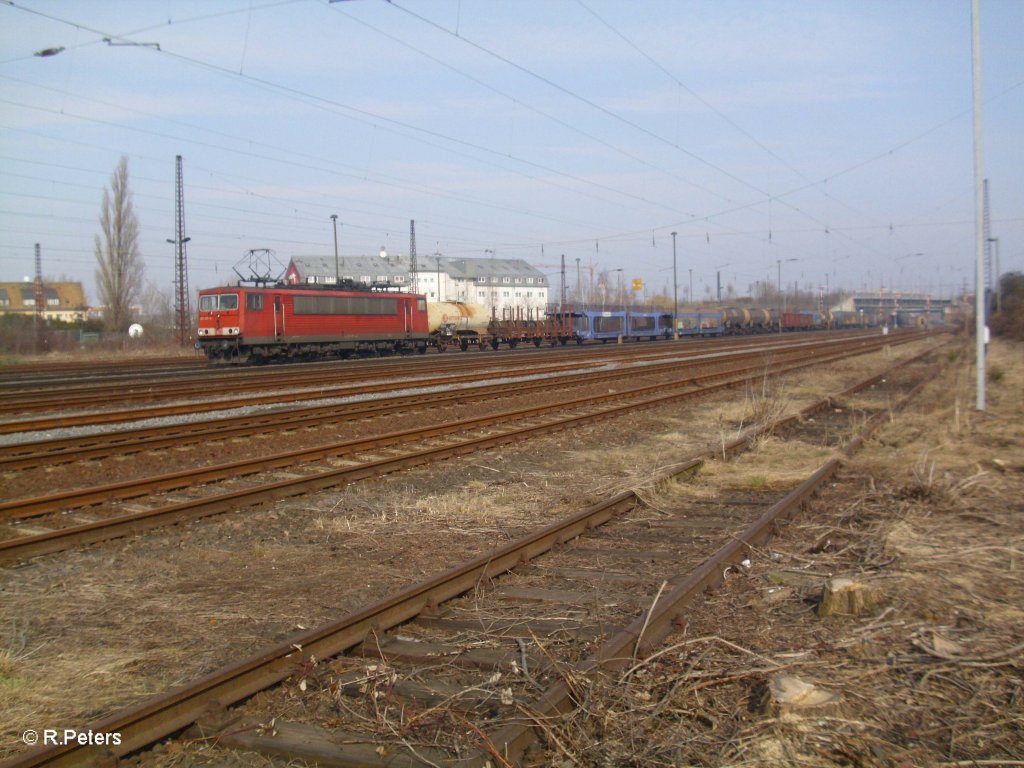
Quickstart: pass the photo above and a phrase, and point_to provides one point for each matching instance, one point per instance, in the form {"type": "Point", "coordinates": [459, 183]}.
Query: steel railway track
{"type": "Point", "coordinates": [455, 646]}
{"type": "Point", "coordinates": [213, 391]}
{"type": "Point", "coordinates": [477, 434]}
{"type": "Point", "coordinates": [26, 455]}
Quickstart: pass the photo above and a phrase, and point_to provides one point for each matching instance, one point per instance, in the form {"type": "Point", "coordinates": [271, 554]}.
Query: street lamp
{"type": "Point", "coordinates": [337, 269]}
{"type": "Point", "coordinates": [604, 292]}
{"type": "Point", "coordinates": [675, 293]}
{"type": "Point", "coordinates": [492, 280]}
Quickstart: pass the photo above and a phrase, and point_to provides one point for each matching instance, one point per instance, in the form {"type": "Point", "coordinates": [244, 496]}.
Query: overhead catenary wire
{"type": "Point", "coordinates": [604, 231]}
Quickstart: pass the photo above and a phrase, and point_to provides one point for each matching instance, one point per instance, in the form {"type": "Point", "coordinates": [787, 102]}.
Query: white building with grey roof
{"type": "Point", "coordinates": [510, 286]}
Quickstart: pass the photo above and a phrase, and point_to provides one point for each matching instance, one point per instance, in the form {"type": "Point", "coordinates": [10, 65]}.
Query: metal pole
{"type": "Point", "coordinates": [337, 269]}
{"type": "Point", "coordinates": [675, 293]}
{"type": "Point", "coordinates": [778, 264]}
{"type": "Point", "coordinates": [998, 286]}
{"type": "Point", "coordinates": [999, 282]}
{"type": "Point", "coordinates": [689, 295]}
{"type": "Point", "coordinates": [579, 285]}
{"type": "Point", "coordinates": [561, 300]}
{"type": "Point", "coordinates": [980, 329]}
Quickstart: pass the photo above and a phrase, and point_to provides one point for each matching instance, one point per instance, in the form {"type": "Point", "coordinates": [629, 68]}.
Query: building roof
{"type": "Point", "coordinates": [471, 269]}
{"type": "Point", "coordinates": [21, 296]}
{"type": "Point", "coordinates": [395, 265]}
{"type": "Point", "coordinates": [351, 266]}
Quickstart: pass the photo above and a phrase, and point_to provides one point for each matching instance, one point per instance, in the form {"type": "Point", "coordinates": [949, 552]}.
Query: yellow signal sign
{"type": "Point", "coordinates": [638, 284]}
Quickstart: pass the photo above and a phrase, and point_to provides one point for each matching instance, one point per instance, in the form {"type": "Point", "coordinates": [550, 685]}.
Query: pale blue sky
{"type": "Point", "coordinates": [834, 134]}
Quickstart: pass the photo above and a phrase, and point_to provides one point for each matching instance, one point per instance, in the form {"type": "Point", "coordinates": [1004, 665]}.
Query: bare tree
{"type": "Point", "coordinates": [120, 270]}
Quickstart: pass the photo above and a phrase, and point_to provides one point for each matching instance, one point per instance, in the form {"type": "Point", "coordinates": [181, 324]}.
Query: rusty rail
{"type": "Point", "coordinates": [172, 711]}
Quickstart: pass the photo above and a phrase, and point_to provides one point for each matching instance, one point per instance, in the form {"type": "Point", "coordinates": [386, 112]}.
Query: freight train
{"type": "Point", "coordinates": [287, 322]}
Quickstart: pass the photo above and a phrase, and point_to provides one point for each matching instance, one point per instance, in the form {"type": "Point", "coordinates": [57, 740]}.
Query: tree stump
{"type": "Point", "coordinates": [848, 597]}
{"type": "Point", "coordinates": [789, 695]}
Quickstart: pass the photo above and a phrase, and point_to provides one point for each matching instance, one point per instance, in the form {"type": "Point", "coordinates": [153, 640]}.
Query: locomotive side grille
{"type": "Point", "coordinates": [345, 305]}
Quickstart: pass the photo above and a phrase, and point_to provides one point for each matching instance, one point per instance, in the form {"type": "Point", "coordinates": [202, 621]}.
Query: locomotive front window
{"type": "Point", "coordinates": [213, 302]}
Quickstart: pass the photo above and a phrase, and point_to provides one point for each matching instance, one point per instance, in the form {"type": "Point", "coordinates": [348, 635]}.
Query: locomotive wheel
{"type": "Point", "coordinates": [464, 344]}
{"type": "Point", "coordinates": [536, 342]}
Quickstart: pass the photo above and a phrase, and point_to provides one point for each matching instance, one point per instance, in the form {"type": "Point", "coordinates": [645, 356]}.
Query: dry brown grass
{"type": "Point", "coordinates": [108, 625]}
{"type": "Point", "coordinates": [936, 678]}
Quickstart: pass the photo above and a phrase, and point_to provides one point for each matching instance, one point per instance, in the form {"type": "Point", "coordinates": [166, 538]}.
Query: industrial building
{"type": "Point", "coordinates": [504, 285]}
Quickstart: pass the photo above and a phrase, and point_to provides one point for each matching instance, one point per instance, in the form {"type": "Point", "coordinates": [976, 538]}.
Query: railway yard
{"type": "Point", "coordinates": [587, 556]}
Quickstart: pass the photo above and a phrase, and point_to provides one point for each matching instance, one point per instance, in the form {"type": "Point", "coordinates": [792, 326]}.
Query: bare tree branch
{"type": "Point", "coordinates": [119, 272]}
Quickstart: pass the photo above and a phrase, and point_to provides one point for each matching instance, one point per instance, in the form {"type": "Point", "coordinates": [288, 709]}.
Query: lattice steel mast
{"type": "Point", "coordinates": [39, 322]}
{"type": "Point", "coordinates": [182, 308]}
{"type": "Point", "coordinates": [413, 266]}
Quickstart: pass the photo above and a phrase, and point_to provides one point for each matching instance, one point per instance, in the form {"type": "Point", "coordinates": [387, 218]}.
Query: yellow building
{"type": "Point", "coordinates": [61, 301]}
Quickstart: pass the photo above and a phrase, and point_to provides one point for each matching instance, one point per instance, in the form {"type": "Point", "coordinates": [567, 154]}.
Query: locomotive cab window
{"type": "Point", "coordinates": [254, 301]}
{"type": "Point", "coordinates": [213, 302]}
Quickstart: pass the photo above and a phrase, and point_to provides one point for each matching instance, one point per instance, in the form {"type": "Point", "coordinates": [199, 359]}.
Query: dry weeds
{"type": "Point", "coordinates": [90, 631]}
{"type": "Point", "coordinates": [932, 514]}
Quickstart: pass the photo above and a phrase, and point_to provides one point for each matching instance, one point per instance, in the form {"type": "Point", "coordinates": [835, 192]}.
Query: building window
{"type": "Point", "coordinates": [504, 294]}
{"type": "Point", "coordinates": [481, 279]}
{"type": "Point", "coordinates": [482, 294]}
{"type": "Point", "coordinates": [506, 279]}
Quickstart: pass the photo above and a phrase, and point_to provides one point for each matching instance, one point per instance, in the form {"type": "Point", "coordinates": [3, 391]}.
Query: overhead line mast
{"type": "Point", "coordinates": [413, 266]}
{"type": "Point", "coordinates": [182, 308]}
{"type": "Point", "coordinates": [38, 318]}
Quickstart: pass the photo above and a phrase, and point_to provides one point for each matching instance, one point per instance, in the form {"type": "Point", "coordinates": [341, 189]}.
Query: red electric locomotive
{"type": "Point", "coordinates": [281, 322]}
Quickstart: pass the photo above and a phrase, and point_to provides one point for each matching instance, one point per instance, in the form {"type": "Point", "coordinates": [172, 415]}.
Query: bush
{"type": "Point", "coordinates": [1010, 321]}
